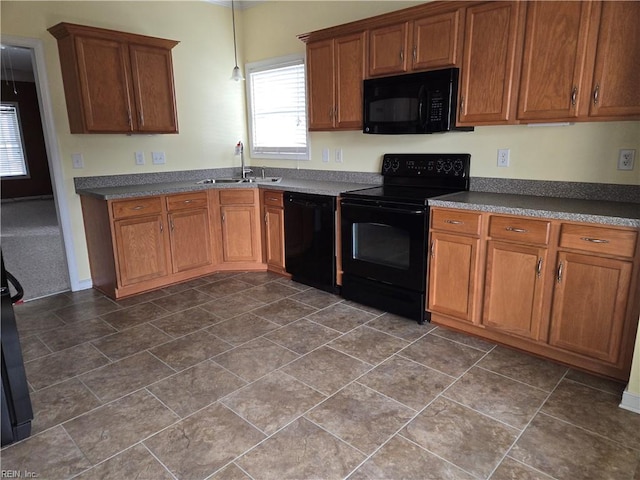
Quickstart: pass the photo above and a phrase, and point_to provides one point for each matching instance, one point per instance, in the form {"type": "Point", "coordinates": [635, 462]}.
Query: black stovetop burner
{"type": "Point", "coordinates": [415, 177]}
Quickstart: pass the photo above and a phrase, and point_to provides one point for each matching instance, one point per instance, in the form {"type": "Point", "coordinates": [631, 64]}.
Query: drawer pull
{"type": "Point", "coordinates": [594, 240]}
{"type": "Point", "coordinates": [272, 199]}
{"type": "Point", "coordinates": [515, 230]}
{"type": "Point", "coordinates": [188, 201]}
{"type": "Point", "coordinates": [139, 207]}
{"type": "Point", "coordinates": [454, 222]}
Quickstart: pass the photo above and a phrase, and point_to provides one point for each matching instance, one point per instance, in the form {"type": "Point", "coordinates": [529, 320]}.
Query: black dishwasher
{"type": "Point", "coordinates": [309, 239]}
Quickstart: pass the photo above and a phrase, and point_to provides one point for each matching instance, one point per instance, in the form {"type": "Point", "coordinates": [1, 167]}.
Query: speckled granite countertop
{"type": "Point", "coordinates": [591, 211]}
{"type": "Point", "coordinates": [333, 188]}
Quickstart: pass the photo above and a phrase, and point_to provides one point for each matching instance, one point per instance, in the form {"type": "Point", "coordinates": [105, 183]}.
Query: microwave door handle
{"type": "Point", "coordinates": [421, 103]}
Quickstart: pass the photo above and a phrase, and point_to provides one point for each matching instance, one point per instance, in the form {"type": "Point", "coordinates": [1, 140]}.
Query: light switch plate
{"type": "Point", "coordinates": [139, 156]}
{"type": "Point", "coordinates": [78, 161]}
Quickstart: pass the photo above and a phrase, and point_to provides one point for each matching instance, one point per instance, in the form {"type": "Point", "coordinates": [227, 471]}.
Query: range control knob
{"type": "Point", "coordinates": [457, 167]}
{"type": "Point", "coordinates": [386, 165]}
{"type": "Point", "coordinates": [395, 164]}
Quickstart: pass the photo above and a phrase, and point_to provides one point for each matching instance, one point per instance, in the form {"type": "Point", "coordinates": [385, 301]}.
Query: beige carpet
{"type": "Point", "coordinates": [32, 246]}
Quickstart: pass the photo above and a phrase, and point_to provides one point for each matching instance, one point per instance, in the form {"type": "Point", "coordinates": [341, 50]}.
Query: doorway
{"type": "Point", "coordinates": [36, 234]}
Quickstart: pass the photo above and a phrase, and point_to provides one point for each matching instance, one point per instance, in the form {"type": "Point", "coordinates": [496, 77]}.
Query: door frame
{"type": "Point", "coordinates": [53, 153]}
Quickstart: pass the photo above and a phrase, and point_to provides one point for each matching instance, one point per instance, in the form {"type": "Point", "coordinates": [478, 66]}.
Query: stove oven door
{"type": "Point", "coordinates": [384, 242]}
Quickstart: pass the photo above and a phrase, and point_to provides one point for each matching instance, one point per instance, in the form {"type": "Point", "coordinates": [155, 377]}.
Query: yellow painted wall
{"type": "Point", "coordinates": [211, 108]}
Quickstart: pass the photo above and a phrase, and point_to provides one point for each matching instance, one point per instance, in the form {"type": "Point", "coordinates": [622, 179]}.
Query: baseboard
{"type": "Point", "coordinates": [630, 401]}
{"type": "Point", "coordinates": [83, 285]}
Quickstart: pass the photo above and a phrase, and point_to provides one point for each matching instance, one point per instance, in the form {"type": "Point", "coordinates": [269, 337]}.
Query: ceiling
{"type": "Point", "coordinates": [16, 64]}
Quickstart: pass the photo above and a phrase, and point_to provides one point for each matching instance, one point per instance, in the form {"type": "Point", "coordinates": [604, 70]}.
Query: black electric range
{"type": "Point", "coordinates": [384, 231]}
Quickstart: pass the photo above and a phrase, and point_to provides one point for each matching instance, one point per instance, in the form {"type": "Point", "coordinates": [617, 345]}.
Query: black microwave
{"type": "Point", "coordinates": [423, 102]}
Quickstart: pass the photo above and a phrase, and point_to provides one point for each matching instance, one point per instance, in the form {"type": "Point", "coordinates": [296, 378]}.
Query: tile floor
{"type": "Point", "coordinates": [252, 376]}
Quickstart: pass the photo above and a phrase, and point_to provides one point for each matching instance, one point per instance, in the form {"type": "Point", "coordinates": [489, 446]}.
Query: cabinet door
{"type": "Point", "coordinates": [554, 59]}
{"type": "Point", "coordinates": [239, 236]}
{"type": "Point", "coordinates": [321, 84]}
{"type": "Point", "coordinates": [491, 59]}
{"type": "Point", "coordinates": [514, 289]}
{"type": "Point", "coordinates": [152, 71]}
{"type": "Point", "coordinates": [349, 73]}
{"type": "Point", "coordinates": [141, 249]}
{"type": "Point", "coordinates": [589, 305]}
{"type": "Point", "coordinates": [614, 87]}
{"type": "Point", "coordinates": [436, 41]}
{"type": "Point", "coordinates": [103, 68]}
{"type": "Point", "coordinates": [274, 237]}
{"type": "Point", "coordinates": [387, 49]}
{"type": "Point", "coordinates": [452, 275]}
{"type": "Point", "coordinates": [190, 239]}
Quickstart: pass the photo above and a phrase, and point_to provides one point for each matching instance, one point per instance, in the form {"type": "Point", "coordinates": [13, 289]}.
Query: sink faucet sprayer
{"type": "Point", "coordinates": [240, 151]}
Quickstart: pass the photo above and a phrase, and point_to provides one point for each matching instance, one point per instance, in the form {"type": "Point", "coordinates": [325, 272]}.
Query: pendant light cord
{"type": "Point", "coordinates": [233, 19]}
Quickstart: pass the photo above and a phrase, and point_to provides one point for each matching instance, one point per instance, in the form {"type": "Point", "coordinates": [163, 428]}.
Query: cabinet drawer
{"type": "Point", "coordinates": [524, 230]}
{"type": "Point", "coordinates": [274, 198]}
{"type": "Point", "coordinates": [236, 197]}
{"type": "Point", "coordinates": [599, 239]}
{"type": "Point", "coordinates": [455, 221]}
{"type": "Point", "coordinates": [186, 200]}
{"type": "Point", "coordinates": [136, 207]}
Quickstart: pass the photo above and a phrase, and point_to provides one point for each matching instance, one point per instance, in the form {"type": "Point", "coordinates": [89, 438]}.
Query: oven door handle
{"type": "Point", "coordinates": [378, 208]}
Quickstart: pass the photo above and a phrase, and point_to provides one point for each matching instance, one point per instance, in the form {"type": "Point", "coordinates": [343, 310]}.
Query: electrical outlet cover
{"type": "Point", "coordinates": [626, 159]}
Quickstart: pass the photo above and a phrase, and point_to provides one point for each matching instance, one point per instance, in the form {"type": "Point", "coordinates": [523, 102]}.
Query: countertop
{"type": "Point", "coordinates": [591, 211]}
{"type": "Point", "coordinates": [291, 185]}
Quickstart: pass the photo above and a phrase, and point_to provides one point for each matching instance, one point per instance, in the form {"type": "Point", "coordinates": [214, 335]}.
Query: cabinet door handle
{"type": "Point", "coordinates": [454, 222]}
{"type": "Point", "coordinates": [331, 114]}
{"type": "Point", "coordinates": [141, 117]}
{"type": "Point", "coordinates": [574, 96]}
{"type": "Point", "coordinates": [223, 218]}
{"type": "Point", "coordinates": [172, 225]}
{"type": "Point", "coordinates": [594, 240]}
{"type": "Point", "coordinates": [432, 249]}
{"type": "Point", "coordinates": [402, 54]}
{"type": "Point", "coordinates": [161, 228]}
{"type": "Point", "coordinates": [539, 267]}
{"type": "Point", "coordinates": [559, 276]}
{"type": "Point", "coordinates": [415, 53]}
{"type": "Point", "coordinates": [596, 94]}
{"type": "Point", "coordinates": [461, 105]}
{"type": "Point", "coordinates": [129, 115]}
{"type": "Point", "coordinates": [515, 230]}
{"type": "Point", "coordinates": [265, 218]}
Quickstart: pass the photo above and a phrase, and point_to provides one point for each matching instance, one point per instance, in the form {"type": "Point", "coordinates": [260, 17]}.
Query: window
{"type": "Point", "coordinates": [12, 158]}
{"type": "Point", "coordinates": [277, 108]}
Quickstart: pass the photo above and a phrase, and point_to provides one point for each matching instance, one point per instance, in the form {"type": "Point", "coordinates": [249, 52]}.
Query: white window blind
{"type": "Point", "coordinates": [12, 157]}
{"type": "Point", "coordinates": [277, 108]}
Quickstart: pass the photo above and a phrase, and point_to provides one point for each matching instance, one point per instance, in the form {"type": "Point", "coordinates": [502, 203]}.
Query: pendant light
{"type": "Point", "coordinates": [235, 75]}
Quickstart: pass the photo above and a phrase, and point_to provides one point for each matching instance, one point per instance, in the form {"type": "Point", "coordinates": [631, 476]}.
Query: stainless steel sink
{"type": "Point", "coordinates": [263, 180]}
{"type": "Point", "coordinates": [240, 180]}
{"type": "Point", "coordinates": [220, 180]}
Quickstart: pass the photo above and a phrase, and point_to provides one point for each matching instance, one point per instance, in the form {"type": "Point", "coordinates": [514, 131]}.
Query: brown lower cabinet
{"type": "Point", "coordinates": [562, 290]}
{"type": "Point", "coordinates": [141, 244]}
{"type": "Point", "coordinates": [273, 231]}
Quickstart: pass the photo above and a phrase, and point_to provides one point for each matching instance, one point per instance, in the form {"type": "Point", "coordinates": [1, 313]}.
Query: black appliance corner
{"type": "Point", "coordinates": [17, 412]}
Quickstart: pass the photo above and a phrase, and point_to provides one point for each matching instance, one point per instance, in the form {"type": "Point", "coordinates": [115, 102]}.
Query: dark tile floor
{"type": "Point", "coordinates": [252, 376]}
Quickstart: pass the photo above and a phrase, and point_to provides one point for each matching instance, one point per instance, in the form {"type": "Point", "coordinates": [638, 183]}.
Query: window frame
{"type": "Point", "coordinates": [272, 64]}
{"type": "Point", "coordinates": [25, 163]}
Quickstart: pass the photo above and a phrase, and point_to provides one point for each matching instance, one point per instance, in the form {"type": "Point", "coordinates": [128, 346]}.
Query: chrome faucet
{"type": "Point", "coordinates": [245, 169]}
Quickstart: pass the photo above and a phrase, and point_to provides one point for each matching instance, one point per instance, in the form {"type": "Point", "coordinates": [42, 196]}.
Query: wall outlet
{"type": "Point", "coordinates": [626, 159]}
{"type": "Point", "coordinates": [158, 158]}
{"type": "Point", "coordinates": [325, 155]}
{"type": "Point", "coordinates": [77, 160]}
{"type": "Point", "coordinates": [139, 156]}
{"type": "Point", "coordinates": [338, 155]}
{"type": "Point", "coordinates": [503, 157]}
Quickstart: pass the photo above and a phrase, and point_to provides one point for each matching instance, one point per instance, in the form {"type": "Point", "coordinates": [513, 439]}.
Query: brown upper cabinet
{"type": "Point", "coordinates": [581, 61]}
{"type": "Point", "coordinates": [490, 64]}
{"type": "Point", "coordinates": [520, 62]}
{"type": "Point", "coordinates": [429, 42]}
{"type": "Point", "coordinates": [116, 82]}
{"type": "Point", "coordinates": [335, 70]}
